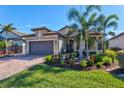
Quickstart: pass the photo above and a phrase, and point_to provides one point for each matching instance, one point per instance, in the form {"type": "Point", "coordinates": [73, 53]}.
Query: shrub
{"type": "Point", "coordinates": [83, 63]}
{"type": "Point", "coordinates": [121, 58]}
{"type": "Point", "coordinates": [55, 58]}
{"type": "Point", "coordinates": [93, 58]}
{"type": "Point", "coordinates": [111, 54]}
{"type": "Point", "coordinates": [107, 60]}
{"type": "Point", "coordinates": [2, 45]}
{"type": "Point", "coordinates": [99, 64]}
{"type": "Point", "coordinates": [72, 61]}
{"type": "Point", "coordinates": [62, 62]}
{"type": "Point", "coordinates": [2, 52]}
{"type": "Point", "coordinates": [72, 55]}
{"type": "Point", "coordinates": [77, 53]}
{"type": "Point", "coordinates": [90, 62]}
{"type": "Point", "coordinates": [98, 57]}
{"type": "Point", "coordinates": [48, 58]}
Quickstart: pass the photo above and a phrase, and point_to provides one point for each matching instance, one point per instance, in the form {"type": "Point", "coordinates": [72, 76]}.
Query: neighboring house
{"type": "Point", "coordinates": [45, 41]}
{"type": "Point", "coordinates": [14, 38]}
{"type": "Point", "coordinates": [117, 41]}
{"type": "Point", "coordinates": [1, 38]}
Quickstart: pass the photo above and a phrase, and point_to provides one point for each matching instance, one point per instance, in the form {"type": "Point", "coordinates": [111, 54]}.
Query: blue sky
{"type": "Point", "coordinates": [54, 17]}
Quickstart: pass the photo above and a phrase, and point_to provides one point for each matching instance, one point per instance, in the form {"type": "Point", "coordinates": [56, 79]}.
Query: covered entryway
{"type": "Point", "coordinates": [41, 47]}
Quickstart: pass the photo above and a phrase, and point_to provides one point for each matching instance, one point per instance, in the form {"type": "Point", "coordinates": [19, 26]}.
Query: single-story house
{"type": "Point", "coordinates": [117, 41]}
{"type": "Point", "coordinates": [44, 41]}
{"type": "Point", "coordinates": [15, 40]}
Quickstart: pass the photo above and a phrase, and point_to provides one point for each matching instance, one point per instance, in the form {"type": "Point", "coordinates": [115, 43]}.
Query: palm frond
{"type": "Point", "coordinates": [113, 24]}
{"type": "Point", "coordinates": [8, 27]}
{"type": "Point", "coordinates": [73, 14]}
{"type": "Point", "coordinates": [101, 19]}
{"type": "Point", "coordinates": [110, 18]}
{"type": "Point", "coordinates": [99, 28]}
{"type": "Point", "coordinates": [1, 25]}
{"type": "Point", "coordinates": [92, 19]}
{"type": "Point", "coordinates": [83, 21]}
{"type": "Point", "coordinates": [111, 33]}
{"type": "Point", "coordinates": [90, 8]}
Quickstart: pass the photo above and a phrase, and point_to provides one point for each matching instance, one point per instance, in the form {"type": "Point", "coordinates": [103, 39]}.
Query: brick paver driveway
{"type": "Point", "coordinates": [12, 65]}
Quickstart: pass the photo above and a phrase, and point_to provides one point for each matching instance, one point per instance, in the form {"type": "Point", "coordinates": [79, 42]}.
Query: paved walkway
{"type": "Point", "coordinates": [12, 65]}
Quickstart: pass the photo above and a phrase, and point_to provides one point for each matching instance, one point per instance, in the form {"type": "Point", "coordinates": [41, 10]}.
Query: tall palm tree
{"type": "Point", "coordinates": [84, 22]}
{"type": "Point", "coordinates": [105, 22]}
{"type": "Point", "coordinates": [7, 28]}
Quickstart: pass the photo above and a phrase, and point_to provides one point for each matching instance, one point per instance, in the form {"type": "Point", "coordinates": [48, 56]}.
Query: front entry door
{"type": "Point", "coordinates": [69, 46]}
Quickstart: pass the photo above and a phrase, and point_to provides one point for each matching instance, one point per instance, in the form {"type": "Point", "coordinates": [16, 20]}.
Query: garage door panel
{"type": "Point", "coordinates": [41, 47]}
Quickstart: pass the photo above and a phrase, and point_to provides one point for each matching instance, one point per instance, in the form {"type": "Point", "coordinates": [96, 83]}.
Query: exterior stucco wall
{"type": "Point", "coordinates": [120, 41]}
{"type": "Point", "coordinates": [112, 43]}
{"type": "Point", "coordinates": [62, 44]}
{"type": "Point", "coordinates": [54, 38]}
{"type": "Point", "coordinates": [117, 42]}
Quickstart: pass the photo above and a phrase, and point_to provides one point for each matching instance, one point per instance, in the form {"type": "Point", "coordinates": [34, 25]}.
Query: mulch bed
{"type": "Point", "coordinates": [112, 69]}
{"type": "Point", "coordinates": [77, 66]}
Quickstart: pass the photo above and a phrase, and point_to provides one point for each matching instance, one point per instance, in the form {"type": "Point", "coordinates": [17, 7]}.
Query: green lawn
{"type": "Point", "coordinates": [48, 77]}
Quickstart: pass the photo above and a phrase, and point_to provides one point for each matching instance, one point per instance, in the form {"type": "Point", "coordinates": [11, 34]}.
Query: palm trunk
{"type": "Point", "coordinates": [81, 47]}
{"type": "Point", "coordinates": [87, 49]}
{"type": "Point", "coordinates": [103, 40]}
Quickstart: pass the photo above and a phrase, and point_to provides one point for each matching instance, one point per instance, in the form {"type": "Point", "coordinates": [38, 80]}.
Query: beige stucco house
{"type": "Point", "coordinates": [44, 41]}
{"type": "Point", "coordinates": [117, 41]}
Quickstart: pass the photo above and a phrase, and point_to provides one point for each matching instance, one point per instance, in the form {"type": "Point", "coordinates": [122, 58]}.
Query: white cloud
{"type": "Point", "coordinates": [28, 26]}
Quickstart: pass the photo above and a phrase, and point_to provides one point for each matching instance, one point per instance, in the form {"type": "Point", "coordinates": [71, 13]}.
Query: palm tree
{"type": "Point", "coordinates": [7, 28]}
{"type": "Point", "coordinates": [84, 22]}
{"type": "Point", "coordinates": [105, 22]}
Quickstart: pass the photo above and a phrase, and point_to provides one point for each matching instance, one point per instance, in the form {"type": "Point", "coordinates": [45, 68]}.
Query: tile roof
{"type": "Point", "coordinates": [29, 35]}
{"type": "Point", "coordinates": [41, 28]}
{"type": "Point", "coordinates": [18, 33]}
{"type": "Point", "coordinates": [1, 38]}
